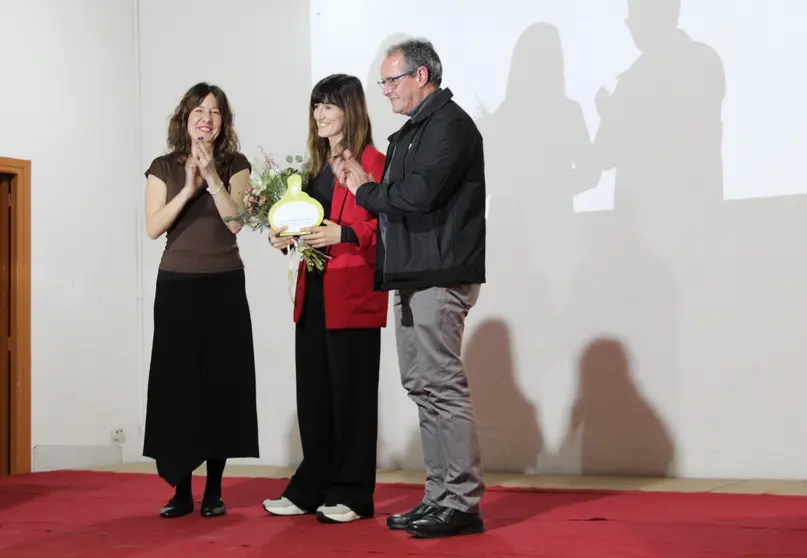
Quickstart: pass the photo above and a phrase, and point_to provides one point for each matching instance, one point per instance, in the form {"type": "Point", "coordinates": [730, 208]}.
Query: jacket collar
{"type": "Point", "coordinates": [429, 106]}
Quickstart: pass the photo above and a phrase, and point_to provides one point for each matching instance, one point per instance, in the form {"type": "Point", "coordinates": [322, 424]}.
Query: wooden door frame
{"type": "Point", "coordinates": [20, 313]}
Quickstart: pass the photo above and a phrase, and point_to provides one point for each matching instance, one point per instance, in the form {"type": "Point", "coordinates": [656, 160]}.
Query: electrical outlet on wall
{"type": "Point", "coordinates": [118, 436]}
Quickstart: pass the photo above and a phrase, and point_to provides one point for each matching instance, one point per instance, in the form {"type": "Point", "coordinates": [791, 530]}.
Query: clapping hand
{"type": "Point", "coordinates": [349, 171]}
{"type": "Point", "coordinates": [202, 153]}
{"type": "Point", "coordinates": [193, 180]}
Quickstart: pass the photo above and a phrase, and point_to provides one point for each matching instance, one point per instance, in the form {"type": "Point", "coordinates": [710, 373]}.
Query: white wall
{"type": "Point", "coordinates": [67, 103]}
{"type": "Point", "coordinates": [665, 321]}
{"type": "Point", "coordinates": [677, 304]}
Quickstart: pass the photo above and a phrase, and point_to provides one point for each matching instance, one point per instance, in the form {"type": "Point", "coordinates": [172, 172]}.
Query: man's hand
{"type": "Point", "coordinates": [349, 172]}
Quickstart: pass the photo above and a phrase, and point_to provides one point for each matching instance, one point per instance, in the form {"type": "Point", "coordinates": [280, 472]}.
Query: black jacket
{"type": "Point", "coordinates": [431, 207]}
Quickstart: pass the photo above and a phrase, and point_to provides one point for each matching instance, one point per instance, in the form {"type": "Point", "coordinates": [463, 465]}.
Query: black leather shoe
{"type": "Point", "coordinates": [213, 508]}
{"type": "Point", "coordinates": [446, 522]}
{"type": "Point", "coordinates": [401, 521]}
{"type": "Point", "coordinates": [177, 507]}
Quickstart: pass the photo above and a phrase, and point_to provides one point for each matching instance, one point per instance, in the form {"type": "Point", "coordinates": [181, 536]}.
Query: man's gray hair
{"type": "Point", "coordinates": [417, 53]}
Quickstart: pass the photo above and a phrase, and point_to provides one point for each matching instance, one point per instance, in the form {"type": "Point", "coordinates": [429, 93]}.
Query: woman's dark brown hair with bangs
{"type": "Point", "coordinates": [347, 93]}
{"type": "Point", "coordinates": [179, 141]}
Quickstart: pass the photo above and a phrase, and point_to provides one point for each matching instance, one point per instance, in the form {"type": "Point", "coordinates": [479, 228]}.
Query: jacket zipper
{"type": "Point", "coordinates": [383, 218]}
{"type": "Point", "coordinates": [382, 215]}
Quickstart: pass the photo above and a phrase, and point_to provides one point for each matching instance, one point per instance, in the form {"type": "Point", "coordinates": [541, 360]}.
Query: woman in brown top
{"type": "Point", "coordinates": [201, 392]}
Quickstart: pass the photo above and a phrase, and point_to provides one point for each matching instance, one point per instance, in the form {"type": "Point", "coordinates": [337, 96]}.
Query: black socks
{"type": "Point", "coordinates": [183, 489]}
{"type": "Point", "coordinates": [215, 472]}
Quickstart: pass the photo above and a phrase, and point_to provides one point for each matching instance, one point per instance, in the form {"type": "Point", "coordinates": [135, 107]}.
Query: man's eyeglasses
{"type": "Point", "coordinates": [393, 81]}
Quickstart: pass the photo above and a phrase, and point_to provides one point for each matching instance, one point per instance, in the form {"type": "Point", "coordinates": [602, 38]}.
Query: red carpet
{"type": "Point", "coordinates": [93, 515]}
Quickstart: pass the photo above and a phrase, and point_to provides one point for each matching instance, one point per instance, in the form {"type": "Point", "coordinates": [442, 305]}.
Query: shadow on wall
{"type": "Point", "coordinates": [528, 268]}
{"type": "Point", "coordinates": [624, 293]}
{"type": "Point", "coordinates": [661, 128]}
{"type": "Point", "coordinates": [604, 278]}
{"type": "Point", "coordinates": [614, 428]}
{"type": "Point", "coordinates": [619, 432]}
{"type": "Point", "coordinates": [537, 148]}
{"type": "Point", "coordinates": [507, 421]}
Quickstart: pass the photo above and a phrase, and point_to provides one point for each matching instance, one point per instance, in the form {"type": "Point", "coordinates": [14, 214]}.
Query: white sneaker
{"type": "Point", "coordinates": [336, 514]}
{"type": "Point", "coordinates": [282, 506]}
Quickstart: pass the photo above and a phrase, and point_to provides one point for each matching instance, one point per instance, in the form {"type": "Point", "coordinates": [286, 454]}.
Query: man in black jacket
{"type": "Point", "coordinates": [431, 251]}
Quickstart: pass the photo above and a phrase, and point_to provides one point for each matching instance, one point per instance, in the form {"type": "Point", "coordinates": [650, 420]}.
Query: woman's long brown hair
{"type": "Point", "coordinates": [179, 141]}
{"type": "Point", "coordinates": [347, 93]}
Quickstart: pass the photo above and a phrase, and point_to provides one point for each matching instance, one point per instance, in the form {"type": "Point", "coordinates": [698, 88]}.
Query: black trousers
{"type": "Point", "coordinates": [337, 410]}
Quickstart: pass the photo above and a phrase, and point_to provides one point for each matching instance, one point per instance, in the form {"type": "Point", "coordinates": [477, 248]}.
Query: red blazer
{"type": "Point", "coordinates": [350, 301]}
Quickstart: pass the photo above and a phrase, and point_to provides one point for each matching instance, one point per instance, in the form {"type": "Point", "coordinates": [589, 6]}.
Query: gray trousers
{"type": "Point", "coordinates": [429, 325]}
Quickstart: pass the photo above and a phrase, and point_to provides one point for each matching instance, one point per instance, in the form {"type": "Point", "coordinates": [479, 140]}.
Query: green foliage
{"type": "Point", "coordinates": [268, 184]}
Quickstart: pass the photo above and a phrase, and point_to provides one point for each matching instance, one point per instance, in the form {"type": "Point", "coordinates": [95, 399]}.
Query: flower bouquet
{"type": "Point", "coordinates": [268, 184]}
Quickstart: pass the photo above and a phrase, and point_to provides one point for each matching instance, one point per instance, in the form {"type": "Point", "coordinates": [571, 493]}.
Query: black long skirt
{"type": "Point", "coordinates": [201, 391]}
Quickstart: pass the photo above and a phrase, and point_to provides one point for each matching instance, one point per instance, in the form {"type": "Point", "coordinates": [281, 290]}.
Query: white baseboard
{"type": "Point", "coordinates": [55, 458]}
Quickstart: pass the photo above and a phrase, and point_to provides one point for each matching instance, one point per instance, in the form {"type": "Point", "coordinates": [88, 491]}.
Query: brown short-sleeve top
{"type": "Point", "coordinates": [199, 240]}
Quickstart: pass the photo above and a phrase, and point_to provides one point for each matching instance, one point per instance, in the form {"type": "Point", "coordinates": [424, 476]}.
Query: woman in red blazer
{"type": "Point", "coordinates": [339, 319]}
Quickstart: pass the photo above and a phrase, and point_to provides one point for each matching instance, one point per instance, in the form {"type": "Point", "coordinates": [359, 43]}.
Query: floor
{"type": "Point", "coordinates": [727, 486]}
{"type": "Point", "coordinates": [80, 513]}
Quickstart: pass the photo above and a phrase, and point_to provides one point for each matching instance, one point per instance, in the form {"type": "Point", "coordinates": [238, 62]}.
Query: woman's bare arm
{"type": "Point", "coordinates": [159, 214]}
{"type": "Point", "coordinates": [230, 205]}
